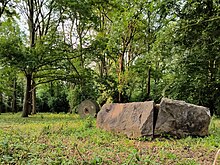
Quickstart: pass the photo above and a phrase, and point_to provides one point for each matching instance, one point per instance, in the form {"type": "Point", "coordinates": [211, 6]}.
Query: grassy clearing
{"type": "Point", "coordinates": [67, 139]}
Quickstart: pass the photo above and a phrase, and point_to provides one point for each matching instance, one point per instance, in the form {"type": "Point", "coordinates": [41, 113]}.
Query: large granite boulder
{"type": "Point", "coordinates": [180, 119]}
{"type": "Point", "coordinates": [132, 119]}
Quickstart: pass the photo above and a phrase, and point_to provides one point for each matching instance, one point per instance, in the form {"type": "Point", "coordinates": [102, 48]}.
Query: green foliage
{"type": "Point", "coordinates": [106, 50]}
{"type": "Point", "coordinates": [52, 98]}
{"type": "Point", "coordinates": [11, 51]}
{"type": "Point", "coordinates": [107, 88]}
{"type": "Point", "coordinates": [196, 55]}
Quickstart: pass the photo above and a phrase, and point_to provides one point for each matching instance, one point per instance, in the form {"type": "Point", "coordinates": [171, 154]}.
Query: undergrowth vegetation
{"type": "Point", "coordinates": [67, 139]}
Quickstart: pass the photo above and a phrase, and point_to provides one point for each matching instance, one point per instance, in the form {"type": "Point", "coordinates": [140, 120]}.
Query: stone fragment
{"type": "Point", "coordinates": [132, 119]}
{"type": "Point", "coordinates": [180, 119]}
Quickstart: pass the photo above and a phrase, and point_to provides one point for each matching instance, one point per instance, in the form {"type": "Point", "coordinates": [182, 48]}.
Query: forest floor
{"type": "Point", "coordinates": [67, 139]}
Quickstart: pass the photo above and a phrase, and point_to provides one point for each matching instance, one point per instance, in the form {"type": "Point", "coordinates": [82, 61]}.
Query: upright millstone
{"type": "Point", "coordinates": [88, 108]}
{"type": "Point", "coordinates": [132, 119]}
{"type": "Point", "coordinates": [180, 119]}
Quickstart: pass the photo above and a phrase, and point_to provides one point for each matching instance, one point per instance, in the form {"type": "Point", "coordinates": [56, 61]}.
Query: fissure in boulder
{"type": "Point", "coordinates": [170, 117]}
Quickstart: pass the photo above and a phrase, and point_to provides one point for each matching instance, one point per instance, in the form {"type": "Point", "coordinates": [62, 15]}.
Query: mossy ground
{"type": "Point", "coordinates": [67, 139]}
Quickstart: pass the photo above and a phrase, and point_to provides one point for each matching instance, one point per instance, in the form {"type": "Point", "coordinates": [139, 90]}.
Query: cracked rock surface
{"type": "Point", "coordinates": [172, 117]}
{"type": "Point", "coordinates": [181, 119]}
{"type": "Point", "coordinates": [132, 119]}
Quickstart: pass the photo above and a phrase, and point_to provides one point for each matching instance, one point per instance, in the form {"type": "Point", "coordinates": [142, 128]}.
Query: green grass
{"type": "Point", "coordinates": [67, 139]}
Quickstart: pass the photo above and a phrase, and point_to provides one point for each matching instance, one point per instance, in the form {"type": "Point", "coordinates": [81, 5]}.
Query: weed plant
{"type": "Point", "coordinates": [67, 139]}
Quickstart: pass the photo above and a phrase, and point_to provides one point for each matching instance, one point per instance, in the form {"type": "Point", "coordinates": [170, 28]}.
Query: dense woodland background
{"type": "Point", "coordinates": [56, 53]}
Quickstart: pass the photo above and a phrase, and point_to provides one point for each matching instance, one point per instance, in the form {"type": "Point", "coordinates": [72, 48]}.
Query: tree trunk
{"type": "Point", "coordinates": [102, 67]}
{"type": "Point", "coordinates": [14, 102]}
{"type": "Point", "coordinates": [8, 105]}
{"type": "Point", "coordinates": [121, 70]}
{"type": "Point", "coordinates": [148, 84]}
{"type": "Point", "coordinates": [34, 111]}
{"type": "Point", "coordinates": [27, 97]}
{"type": "Point", "coordinates": [3, 7]}
{"type": "Point", "coordinates": [80, 29]}
{"type": "Point", "coordinates": [1, 103]}
{"type": "Point", "coordinates": [148, 50]}
{"type": "Point", "coordinates": [52, 93]}
{"type": "Point", "coordinates": [81, 51]}
{"type": "Point", "coordinates": [31, 23]}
